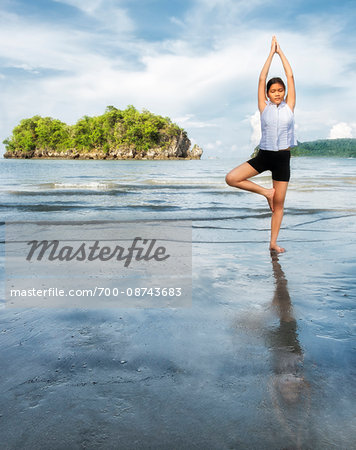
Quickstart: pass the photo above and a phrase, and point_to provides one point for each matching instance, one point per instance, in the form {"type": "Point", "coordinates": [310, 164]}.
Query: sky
{"type": "Point", "coordinates": [195, 61]}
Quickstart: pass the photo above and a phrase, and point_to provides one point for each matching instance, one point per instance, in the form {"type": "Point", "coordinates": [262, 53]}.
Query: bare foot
{"type": "Point", "coordinates": [269, 196]}
{"type": "Point", "coordinates": [276, 248]}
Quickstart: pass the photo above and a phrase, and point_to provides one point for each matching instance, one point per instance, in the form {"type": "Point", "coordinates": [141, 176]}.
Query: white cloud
{"type": "Point", "coordinates": [255, 122]}
{"type": "Point", "coordinates": [213, 145]}
{"type": "Point", "coordinates": [106, 12]}
{"type": "Point", "coordinates": [340, 130]}
{"type": "Point", "coordinates": [88, 6]}
{"type": "Point", "coordinates": [210, 89]}
{"type": "Point", "coordinates": [189, 121]}
{"type": "Point", "coordinates": [36, 46]}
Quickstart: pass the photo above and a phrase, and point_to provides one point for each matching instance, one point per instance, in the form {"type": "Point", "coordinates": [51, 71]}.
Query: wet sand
{"type": "Point", "coordinates": [262, 360]}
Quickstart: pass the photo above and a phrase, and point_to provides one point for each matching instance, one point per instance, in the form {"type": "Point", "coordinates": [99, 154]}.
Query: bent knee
{"type": "Point", "coordinates": [229, 179]}
{"type": "Point", "coordinates": [232, 180]}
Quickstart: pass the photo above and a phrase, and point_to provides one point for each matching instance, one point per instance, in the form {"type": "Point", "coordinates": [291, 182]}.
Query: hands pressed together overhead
{"type": "Point", "coordinates": [290, 97]}
{"type": "Point", "coordinates": [275, 48]}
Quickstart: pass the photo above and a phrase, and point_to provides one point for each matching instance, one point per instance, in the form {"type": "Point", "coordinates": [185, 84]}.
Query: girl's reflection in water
{"type": "Point", "coordinates": [289, 390]}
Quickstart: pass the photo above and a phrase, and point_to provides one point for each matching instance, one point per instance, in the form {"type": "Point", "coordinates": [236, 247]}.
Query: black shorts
{"type": "Point", "coordinates": [278, 162]}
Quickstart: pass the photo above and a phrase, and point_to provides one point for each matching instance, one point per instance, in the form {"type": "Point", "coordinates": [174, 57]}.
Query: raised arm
{"type": "Point", "coordinates": [263, 76]}
{"type": "Point", "coordinates": [290, 99]}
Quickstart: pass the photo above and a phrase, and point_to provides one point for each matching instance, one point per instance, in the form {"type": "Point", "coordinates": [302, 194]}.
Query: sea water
{"type": "Point", "coordinates": [265, 356]}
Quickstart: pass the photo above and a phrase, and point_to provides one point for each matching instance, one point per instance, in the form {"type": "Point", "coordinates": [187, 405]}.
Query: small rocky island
{"type": "Point", "coordinates": [116, 134]}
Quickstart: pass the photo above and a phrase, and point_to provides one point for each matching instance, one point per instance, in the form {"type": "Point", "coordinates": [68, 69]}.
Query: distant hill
{"type": "Point", "coordinates": [339, 148]}
{"type": "Point", "coordinates": [327, 147]}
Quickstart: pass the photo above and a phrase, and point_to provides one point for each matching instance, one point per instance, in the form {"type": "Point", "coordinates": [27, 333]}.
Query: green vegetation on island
{"type": "Point", "coordinates": [344, 148]}
{"type": "Point", "coordinates": [116, 134]}
{"type": "Point", "coordinates": [341, 148]}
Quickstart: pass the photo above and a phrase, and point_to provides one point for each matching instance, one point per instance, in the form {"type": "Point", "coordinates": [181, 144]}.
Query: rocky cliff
{"type": "Point", "coordinates": [179, 148]}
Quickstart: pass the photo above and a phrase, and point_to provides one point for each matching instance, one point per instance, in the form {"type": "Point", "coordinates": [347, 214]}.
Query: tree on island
{"type": "Point", "coordinates": [345, 148]}
{"type": "Point", "coordinates": [114, 134]}
{"type": "Point", "coordinates": [327, 147]}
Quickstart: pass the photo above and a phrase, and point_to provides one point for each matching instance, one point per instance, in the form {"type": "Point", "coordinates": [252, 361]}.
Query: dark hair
{"type": "Point", "coordinates": [275, 80]}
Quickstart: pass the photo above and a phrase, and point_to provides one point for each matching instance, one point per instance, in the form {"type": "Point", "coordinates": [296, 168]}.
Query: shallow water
{"type": "Point", "coordinates": [264, 358]}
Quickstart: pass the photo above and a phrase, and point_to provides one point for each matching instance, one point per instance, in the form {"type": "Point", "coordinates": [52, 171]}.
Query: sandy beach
{"type": "Point", "coordinates": [263, 359]}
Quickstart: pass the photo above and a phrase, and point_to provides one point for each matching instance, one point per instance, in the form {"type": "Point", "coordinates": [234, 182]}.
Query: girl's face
{"type": "Point", "coordinates": [276, 93]}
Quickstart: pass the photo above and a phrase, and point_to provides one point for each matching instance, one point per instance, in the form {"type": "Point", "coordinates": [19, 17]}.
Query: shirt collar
{"type": "Point", "coordinates": [273, 104]}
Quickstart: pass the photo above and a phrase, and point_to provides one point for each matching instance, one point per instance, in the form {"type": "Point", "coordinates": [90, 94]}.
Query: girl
{"type": "Point", "coordinates": [277, 125]}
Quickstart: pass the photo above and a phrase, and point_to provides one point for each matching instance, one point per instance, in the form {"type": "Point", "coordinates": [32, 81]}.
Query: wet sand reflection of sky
{"type": "Point", "coordinates": [288, 388]}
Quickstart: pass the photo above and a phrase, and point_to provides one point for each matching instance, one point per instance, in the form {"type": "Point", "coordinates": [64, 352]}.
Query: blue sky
{"type": "Point", "coordinates": [196, 61]}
